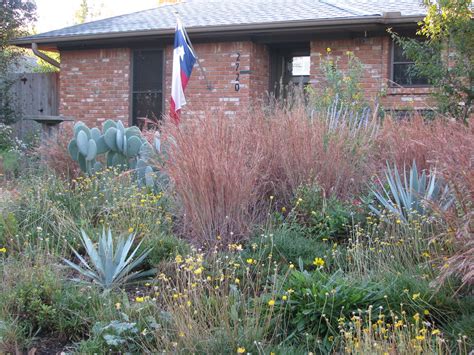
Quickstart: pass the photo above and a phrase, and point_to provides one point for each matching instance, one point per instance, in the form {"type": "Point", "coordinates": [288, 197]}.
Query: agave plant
{"type": "Point", "coordinates": [110, 267]}
{"type": "Point", "coordinates": [407, 197]}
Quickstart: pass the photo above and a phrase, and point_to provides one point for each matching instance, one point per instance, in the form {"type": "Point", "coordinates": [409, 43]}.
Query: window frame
{"type": "Point", "coordinates": [394, 84]}
{"type": "Point", "coordinates": [132, 79]}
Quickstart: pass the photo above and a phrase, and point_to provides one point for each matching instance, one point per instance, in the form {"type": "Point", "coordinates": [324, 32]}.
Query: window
{"type": "Point", "coordinates": [402, 69]}
{"type": "Point", "coordinates": [300, 66]}
{"type": "Point", "coordinates": [147, 88]}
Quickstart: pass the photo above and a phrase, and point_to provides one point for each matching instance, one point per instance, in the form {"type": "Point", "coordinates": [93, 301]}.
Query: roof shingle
{"type": "Point", "coordinates": [201, 13]}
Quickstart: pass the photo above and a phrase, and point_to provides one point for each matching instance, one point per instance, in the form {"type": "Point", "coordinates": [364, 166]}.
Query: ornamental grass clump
{"type": "Point", "coordinates": [224, 169]}
{"type": "Point", "coordinates": [111, 267]}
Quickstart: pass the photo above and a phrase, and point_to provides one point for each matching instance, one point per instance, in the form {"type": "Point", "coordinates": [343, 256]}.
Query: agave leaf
{"type": "Point", "coordinates": [110, 267]}
{"type": "Point", "coordinates": [132, 265]}
{"type": "Point", "coordinates": [91, 251]}
{"type": "Point", "coordinates": [407, 195]}
{"type": "Point", "coordinates": [123, 262]}
{"type": "Point", "coordinates": [119, 251]}
{"type": "Point", "coordinates": [140, 275]}
{"type": "Point", "coordinates": [82, 260]}
{"type": "Point", "coordinates": [82, 271]}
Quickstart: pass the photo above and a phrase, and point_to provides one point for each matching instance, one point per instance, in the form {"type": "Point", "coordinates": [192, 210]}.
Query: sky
{"type": "Point", "coordinates": [56, 14]}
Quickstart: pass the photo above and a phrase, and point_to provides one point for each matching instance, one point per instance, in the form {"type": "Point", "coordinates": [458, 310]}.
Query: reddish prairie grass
{"type": "Point", "coordinates": [55, 155]}
{"type": "Point", "coordinates": [447, 147]}
{"type": "Point", "coordinates": [224, 169]}
{"type": "Point", "coordinates": [430, 144]}
{"type": "Point", "coordinates": [215, 170]}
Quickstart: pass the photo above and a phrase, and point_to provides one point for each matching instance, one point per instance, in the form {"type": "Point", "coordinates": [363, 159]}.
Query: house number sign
{"type": "Point", "coordinates": [237, 72]}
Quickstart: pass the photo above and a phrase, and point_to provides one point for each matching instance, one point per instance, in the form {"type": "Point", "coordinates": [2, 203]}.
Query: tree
{"type": "Point", "coordinates": [82, 13]}
{"type": "Point", "coordinates": [445, 56]}
{"type": "Point", "coordinates": [15, 17]}
{"type": "Point", "coordinates": [87, 12]}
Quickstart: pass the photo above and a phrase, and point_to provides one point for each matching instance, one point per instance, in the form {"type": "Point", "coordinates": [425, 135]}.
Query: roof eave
{"type": "Point", "coordinates": [228, 29]}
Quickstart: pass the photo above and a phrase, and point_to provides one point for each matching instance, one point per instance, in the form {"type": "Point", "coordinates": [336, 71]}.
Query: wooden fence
{"type": "Point", "coordinates": [34, 94]}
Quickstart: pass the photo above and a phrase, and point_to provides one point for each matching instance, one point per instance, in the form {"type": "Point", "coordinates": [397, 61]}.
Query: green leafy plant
{"type": "Point", "coordinates": [339, 87]}
{"type": "Point", "coordinates": [116, 334]}
{"type": "Point", "coordinates": [445, 55]}
{"type": "Point", "coordinates": [407, 197]}
{"type": "Point", "coordinates": [164, 246]}
{"type": "Point", "coordinates": [317, 301]}
{"type": "Point", "coordinates": [110, 267]}
{"type": "Point", "coordinates": [287, 244]}
{"type": "Point", "coordinates": [324, 217]}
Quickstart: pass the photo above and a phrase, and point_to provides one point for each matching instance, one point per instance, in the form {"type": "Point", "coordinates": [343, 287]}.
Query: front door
{"type": "Point", "coordinates": [290, 67]}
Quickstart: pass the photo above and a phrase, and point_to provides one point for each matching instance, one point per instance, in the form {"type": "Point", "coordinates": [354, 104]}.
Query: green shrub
{"type": "Point", "coordinates": [8, 229]}
{"type": "Point", "coordinates": [164, 247]}
{"type": "Point", "coordinates": [7, 140]}
{"type": "Point", "coordinates": [324, 217]}
{"type": "Point", "coordinates": [340, 85]}
{"type": "Point", "coordinates": [52, 211]}
{"type": "Point", "coordinates": [288, 245]}
{"type": "Point", "coordinates": [317, 301]}
{"type": "Point", "coordinates": [10, 162]}
{"type": "Point", "coordinates": [412, 289]}
{"type": "Point", "coordinates": [36, 301]}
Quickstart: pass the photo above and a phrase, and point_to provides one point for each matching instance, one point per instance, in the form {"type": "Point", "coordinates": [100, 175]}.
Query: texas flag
{"type": "Point", "coordinates": [183, 62]}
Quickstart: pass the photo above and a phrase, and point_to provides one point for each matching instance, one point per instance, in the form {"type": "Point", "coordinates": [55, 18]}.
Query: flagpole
{"type": "Point", "coordinates": [208, 84]}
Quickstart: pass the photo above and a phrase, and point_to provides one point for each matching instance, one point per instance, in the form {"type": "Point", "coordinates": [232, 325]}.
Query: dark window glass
{"type": "Point", "coordinates": [402, 69]}
{"type": "Point", "coordinates": [147, 88]}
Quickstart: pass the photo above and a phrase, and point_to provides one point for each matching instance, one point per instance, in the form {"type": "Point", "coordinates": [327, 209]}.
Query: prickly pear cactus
{"type": "Point", "coordinates": [85, 146]}
{"type": "Point", "coordinates": [124, 147]}
{"type": "Point", "coordinates": [124, 144]}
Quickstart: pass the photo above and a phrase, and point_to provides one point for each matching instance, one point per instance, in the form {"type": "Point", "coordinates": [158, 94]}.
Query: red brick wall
{"type": "Point", "coordinates": [260, 72]}
{"type": "Point", "coordinates": [219, 62]}
{"type": "Point", "coordinates": [375, 54]}
{"type": "Point", "coordinates": [95, 85]}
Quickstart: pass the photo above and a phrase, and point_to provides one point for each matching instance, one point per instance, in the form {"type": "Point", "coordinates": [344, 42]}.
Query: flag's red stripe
{"type": "Point", "coordinates": [173, 113]}
{"type": "Point", "coordinates": [184, 80]}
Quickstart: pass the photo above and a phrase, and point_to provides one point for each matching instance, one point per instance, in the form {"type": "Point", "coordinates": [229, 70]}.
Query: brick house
{"type": "Point", "coordinates": [120, 67]}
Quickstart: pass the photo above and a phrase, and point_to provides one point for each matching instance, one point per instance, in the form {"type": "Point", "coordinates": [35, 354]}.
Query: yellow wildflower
{"type": "Point", "coordinates": [284, 298]}
{"type": "Point", "coordinates": [198, 271]}
{"type": "Point", "coordinates": [237, 281]}
{"type": "Point", "coordinates": [283, 209]}
{"type": "Point", "coordinates": [240, 350]}
{"type": "Point", "coordinates": [130, 230]}
{"type": "Point", "coordinates": [436, 332]}
{"type": "Point", "coordinates": [416, 296]}
{"type": "Point", "coordinates": [271, 303]}
{"type": "Point", "coordinates": [118, 305]}
{"type": "Point", "coordinates": [249, 261]}
{"type": "Point", "coordinates": [3, 250]}
{"type": "Point", "coordinates": [318, 262]}
{"type": "Point", "coordinates": [178, 259]}
{"type": "Point", "coordinates": [420, 337]}
{"type": "Point", "coordinates": [139, 299]}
